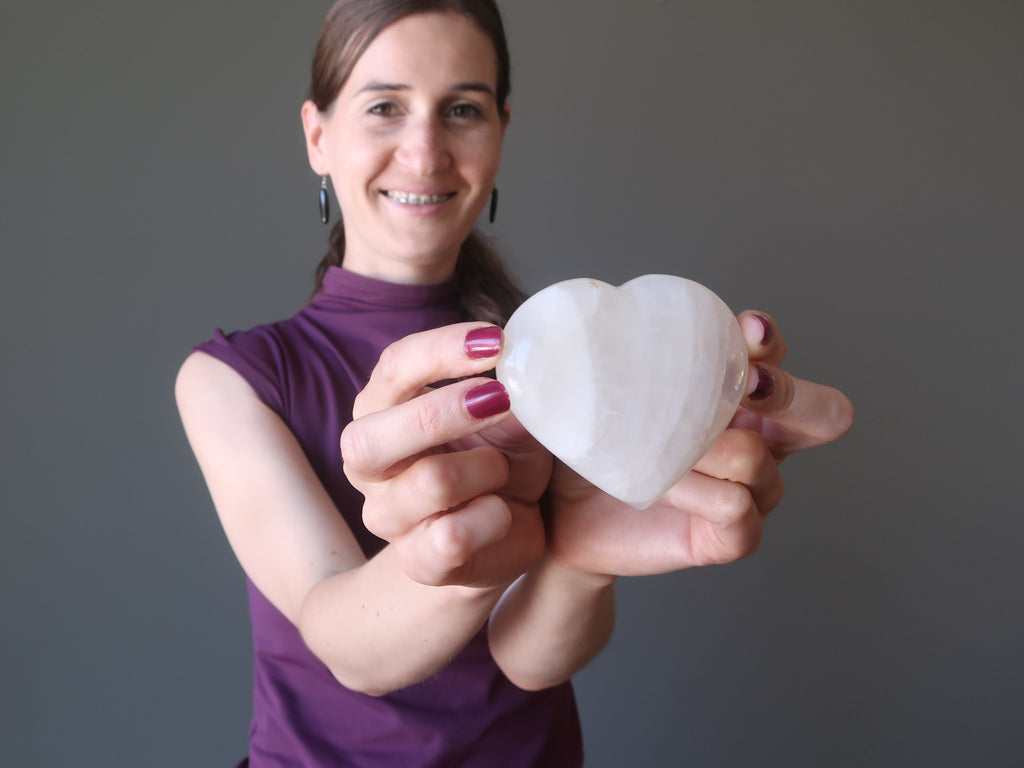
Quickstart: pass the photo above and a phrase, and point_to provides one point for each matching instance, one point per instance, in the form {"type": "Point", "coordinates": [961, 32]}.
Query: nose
{"type": "Point", "coordinates": [424, 147]}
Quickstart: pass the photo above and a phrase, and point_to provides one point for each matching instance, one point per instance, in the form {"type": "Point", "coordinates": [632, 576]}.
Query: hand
{"type": "Point", "coordinates": [789, 413]}
{"type": "Point", "coordinates": [450, 478]}
{"type": "Point", "coordinates": [716, 513]}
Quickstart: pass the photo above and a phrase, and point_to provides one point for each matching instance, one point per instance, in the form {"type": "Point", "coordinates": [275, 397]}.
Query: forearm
{"type": "Point", "coordinates": [377, 630]}
{"type": "Point", "coordinates": [551, 623]}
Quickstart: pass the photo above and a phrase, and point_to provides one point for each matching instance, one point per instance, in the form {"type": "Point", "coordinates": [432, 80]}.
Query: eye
{"type": "Point", "coordinates": [384, 109]}
{"type": "Point", "coordinates": [465, 111]}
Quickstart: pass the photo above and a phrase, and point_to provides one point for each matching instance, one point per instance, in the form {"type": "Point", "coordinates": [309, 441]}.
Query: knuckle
{"type": "Point", "coordinates": [493, 468]}
{"type": "Point", "coordinates": [430, 421]}
{"type": "Point", "coordinates": [738, 544]}
{"type": "Point", "coordinates": [434, 481]}
{"type": "Point", "coordinates": [389, 363]}
{"type": "Point", "coordinates": [423, 571]}
{"type": "Point", "coordinates": [449, 543]}
{"type": "Point", "coordinates": [360, 405]}
{"type": "Point", "coordinates": [356, 450]}
{"type": "Point", "coordinates": [376, 520]}
{"type": "Point", "coordinates": [745, 455]}
{"type": "Point", "coordinates": [732, 501]}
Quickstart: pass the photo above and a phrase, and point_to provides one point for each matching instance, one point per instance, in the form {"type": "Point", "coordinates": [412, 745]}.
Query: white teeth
{"type": "Point", "coordinates": [411, 198]}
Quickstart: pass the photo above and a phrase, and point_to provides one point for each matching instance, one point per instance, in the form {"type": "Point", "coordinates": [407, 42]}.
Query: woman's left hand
{"type": "Point", "coordinates": [716, 513]}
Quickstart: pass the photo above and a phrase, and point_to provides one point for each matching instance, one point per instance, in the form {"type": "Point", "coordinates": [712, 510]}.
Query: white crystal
{"type": "Point", "coordinates": [629, 386]}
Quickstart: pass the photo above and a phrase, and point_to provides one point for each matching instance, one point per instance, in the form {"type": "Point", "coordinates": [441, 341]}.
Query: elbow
{"type": "Point", "coordinates": [343, 664]}
{"type": "Point", "coordinates": [535, 683]}
{"type": "Point", "coordinates": [360, 678]}
{"type": "Point", "coordinates": [336, 649]}
{"type": "Point", "coordinates": [371, 677]}
{"type": "Point", "coordinates": [371, 682]}
{"type": "Point", "coordinates": [538, 673]}
{"type": "Point", "coordinates": [357, 678]}
{"type": "Point", "coordinates": [363, 685]}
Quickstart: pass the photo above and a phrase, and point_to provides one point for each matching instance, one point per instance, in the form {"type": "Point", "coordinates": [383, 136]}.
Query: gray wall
{"type": "Point", "coordinates": [854, 168]}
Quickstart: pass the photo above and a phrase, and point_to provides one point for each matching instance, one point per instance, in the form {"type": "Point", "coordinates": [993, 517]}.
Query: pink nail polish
{"type": "Point", "coordinates": [765, 384]}
{"type": "Point", "coordinates": [767, 332]}
{"type": "Point", "coordinates": [487, 400]}
{"type": "Point", "coordinates": [483, 342]}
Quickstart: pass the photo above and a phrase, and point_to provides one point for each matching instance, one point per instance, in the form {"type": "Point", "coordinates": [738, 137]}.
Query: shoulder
{"type": "Point", "coordinates": [204, 381]}
{"type": "Point", "coordinates": [261, 345]}
{"type": "Point", "coordinates": [260, 357]}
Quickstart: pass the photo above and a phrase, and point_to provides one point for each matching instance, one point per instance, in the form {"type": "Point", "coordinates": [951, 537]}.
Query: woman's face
{"type": "Point", "coordinates": [412, 145]}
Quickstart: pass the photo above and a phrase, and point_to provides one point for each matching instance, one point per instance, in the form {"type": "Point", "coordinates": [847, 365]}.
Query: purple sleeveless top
{"type": "Point", "coordinates": [308, 369]}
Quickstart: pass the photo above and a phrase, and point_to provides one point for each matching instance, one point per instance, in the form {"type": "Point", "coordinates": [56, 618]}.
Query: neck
{"type": "Point", "coordinates": [402, 272]}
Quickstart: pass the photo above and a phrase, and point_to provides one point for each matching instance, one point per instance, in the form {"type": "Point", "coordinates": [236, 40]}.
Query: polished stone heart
{"type": "Point", "coordinates": [629, 386]}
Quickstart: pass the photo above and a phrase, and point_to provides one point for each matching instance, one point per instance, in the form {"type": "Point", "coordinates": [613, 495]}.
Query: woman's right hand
{"type": "Point", "coordinates": [450, 477]}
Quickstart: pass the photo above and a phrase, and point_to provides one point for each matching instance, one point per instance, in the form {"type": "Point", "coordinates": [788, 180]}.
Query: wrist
{"type": "Point", "coordinates": [579, 579]}
{"type": "Point", "coordinates": [470, 596]}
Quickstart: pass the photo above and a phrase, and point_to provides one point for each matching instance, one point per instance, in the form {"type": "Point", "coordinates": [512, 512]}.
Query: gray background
{"type": "Point", "coordinates": [855, 168]}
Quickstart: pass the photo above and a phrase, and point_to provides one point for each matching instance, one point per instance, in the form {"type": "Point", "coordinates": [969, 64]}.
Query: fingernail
{"type": "Point", "coordinates": [767, 332]}
{"type": "Point", "coordinates": [483, 342]}
{"type": "Point", "coordinates": [765, 384]}
{"type": "Point", "coordinates": [487, 400]}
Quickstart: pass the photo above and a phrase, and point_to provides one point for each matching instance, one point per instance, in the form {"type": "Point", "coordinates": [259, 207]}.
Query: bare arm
{"type": "Point", "coordinates": [551, 623]}
{"type": "Point", "coordinates": [372, 625]}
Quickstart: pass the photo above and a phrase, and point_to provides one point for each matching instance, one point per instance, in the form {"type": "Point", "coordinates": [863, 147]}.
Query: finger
{"type": "Point", "coordinates": [505, 560]}
{"type": "Point", "coordinates": [700, 520]}
{"type": "Point", "coordinates": [410, 364]}
{"type": "Point", "coordinates": [437, 550]}
{"type": "Point", "coordinates": [434, 483]}
{"type": "Point", "coordinates": [764, 342]}
{"type": "Point", "coordinates": [806, 414]}
{"type": "Point", "coordinates": [378, 446]}
{"type": "Point", "coordinates": [529, 462]}
{"type": "Point", "coordinates": [725, 522]}
{"type": "Point", "coordinates": [722, 503]}
{"type": "Point", "coordinates": [743, 457]}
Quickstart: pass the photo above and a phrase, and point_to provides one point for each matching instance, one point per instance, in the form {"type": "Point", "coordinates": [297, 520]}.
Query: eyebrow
{"type": "Point", "coordinates": [474, 86]}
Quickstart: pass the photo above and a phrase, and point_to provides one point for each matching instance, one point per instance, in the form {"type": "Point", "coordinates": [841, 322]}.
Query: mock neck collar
{"type": "Point", "coordinates": [355, 290]}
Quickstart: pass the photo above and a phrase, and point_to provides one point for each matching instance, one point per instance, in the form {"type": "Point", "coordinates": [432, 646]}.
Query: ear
{"type": "Point", "coordinates": [313, 127]}
{"type": "Point", "coordinates": [506, 115]}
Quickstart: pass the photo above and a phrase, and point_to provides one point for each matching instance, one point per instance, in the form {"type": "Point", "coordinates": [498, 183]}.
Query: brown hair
{"type": "Point", "coordinates": [487, 291]}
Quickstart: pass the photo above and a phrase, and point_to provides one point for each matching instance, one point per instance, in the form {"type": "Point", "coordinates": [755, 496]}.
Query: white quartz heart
{"type": "Point", "coordinates": [628, 386]}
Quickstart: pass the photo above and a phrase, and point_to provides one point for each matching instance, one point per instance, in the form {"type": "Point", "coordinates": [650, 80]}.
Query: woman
{"type": "Point", "coordinates": [409, 605]}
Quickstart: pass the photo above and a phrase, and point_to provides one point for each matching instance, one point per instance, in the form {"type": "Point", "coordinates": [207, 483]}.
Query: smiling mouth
{"type": "Point", "coordinates": [411, 198]}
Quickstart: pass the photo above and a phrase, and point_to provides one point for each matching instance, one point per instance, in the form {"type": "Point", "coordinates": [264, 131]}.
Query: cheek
{"type": "Point", "coordinates": [360, 158]}
{"type": "Point", "coordinates": [483, 157]}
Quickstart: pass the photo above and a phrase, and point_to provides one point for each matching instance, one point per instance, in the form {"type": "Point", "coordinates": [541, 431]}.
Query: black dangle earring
{"type": "Point", "coordinates": [494, 204]}
{"type": "Point", "coordinates": [325, 202]}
